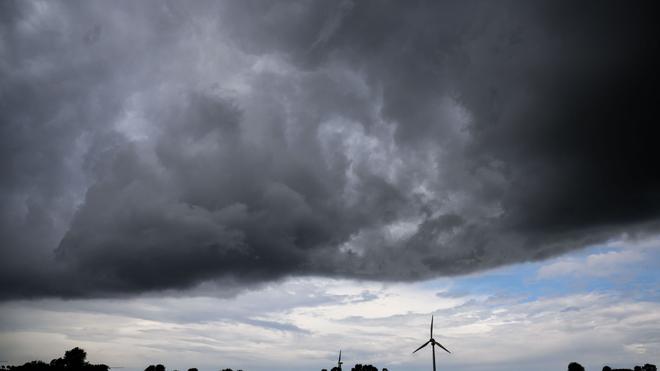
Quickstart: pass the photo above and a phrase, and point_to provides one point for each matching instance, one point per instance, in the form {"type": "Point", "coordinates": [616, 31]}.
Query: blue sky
{"type": "Point", "coordinates": [596, 306]}
{"type": "Point", "coordinates": [630, 271]}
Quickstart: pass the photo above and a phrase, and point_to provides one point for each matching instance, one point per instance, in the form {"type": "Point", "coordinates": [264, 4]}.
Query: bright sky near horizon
{"type": "Point", "coordinates": [597, 306]}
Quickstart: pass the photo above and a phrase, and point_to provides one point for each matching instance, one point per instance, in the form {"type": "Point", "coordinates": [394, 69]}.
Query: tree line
{"type": "Point", "coordinates": [76, 360]}
{"type": "Point", "coordinates": [574, 366]}
{"type": "Point", "coordinates": [357, 367]}
{"type": "Point", "coordinates": [73, 360]}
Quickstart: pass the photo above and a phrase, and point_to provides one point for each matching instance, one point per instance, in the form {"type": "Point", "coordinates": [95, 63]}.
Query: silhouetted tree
{"type": "Point", "coordinates": [574, 366]}
{"type": "Point", "coordinates": [192, 369]}
{"type": "Point", "coordinates": [607, 368]}
{"type": "Point", "coordinates": [32, 366]}
{"type": "Point", "coordinates": [75, 358]}
{"type": "Point", "coordinates": [360, 367]}
{"type": "Point", "coordinates": [160, 367]}
{"type": "Point", "coordinates": [58, 364]}
{"type": "Point", "coordinates": [150, 368]}
{"type": "Point", "coordinates": [650, 367]}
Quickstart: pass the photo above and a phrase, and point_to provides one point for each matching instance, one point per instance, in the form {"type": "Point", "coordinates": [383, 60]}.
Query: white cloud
{"type": "Point", "coordinates": [602, 264]}
{"type": "Point", "coordinates": [301, 324]}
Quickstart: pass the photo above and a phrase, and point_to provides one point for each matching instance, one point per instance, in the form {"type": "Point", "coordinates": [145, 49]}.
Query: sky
{"type": "Point", "coordinates": [256, 185]}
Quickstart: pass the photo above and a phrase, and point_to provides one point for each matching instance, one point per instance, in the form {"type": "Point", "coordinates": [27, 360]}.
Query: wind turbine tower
{"type": "Point", "coordinates": [433, 344]}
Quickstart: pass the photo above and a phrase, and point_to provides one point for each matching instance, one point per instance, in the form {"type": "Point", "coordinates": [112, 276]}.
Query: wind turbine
{"type": "Point", "coordinates": [339, 362]}
{"type": "Point", "coordinates": [433, 344]}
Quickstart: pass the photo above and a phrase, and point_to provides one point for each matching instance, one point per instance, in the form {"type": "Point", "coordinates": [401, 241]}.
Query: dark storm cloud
{"type": "Point", "coordinates": [158, 145]}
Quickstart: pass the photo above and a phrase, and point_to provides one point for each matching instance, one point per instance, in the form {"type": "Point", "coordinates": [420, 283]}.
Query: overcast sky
{"type": "Point", "coordinates": [180, 179]}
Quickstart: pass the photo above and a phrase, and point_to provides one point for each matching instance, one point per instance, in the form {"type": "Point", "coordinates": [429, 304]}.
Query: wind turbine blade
{"type": "Point", "coordinates": [440, 345]}
{"type": "Point", "coordinates": [425, 344]}
{"type": "Point", "coordinates": [339, 356]}
{"type": "Point", "coordinates": [431, 327]}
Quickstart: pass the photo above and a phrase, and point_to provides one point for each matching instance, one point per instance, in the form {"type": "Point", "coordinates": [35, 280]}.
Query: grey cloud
{"type": "Point", "coordinates": [279, 326]}
{"type": "Point", "coordinates": [157, 145]}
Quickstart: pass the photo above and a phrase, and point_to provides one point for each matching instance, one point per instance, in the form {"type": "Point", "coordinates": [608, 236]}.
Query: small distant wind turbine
{"type": "Point", "coordinates": [433, 344]}
{"type": "Point", "coordinates": [339, 362]}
